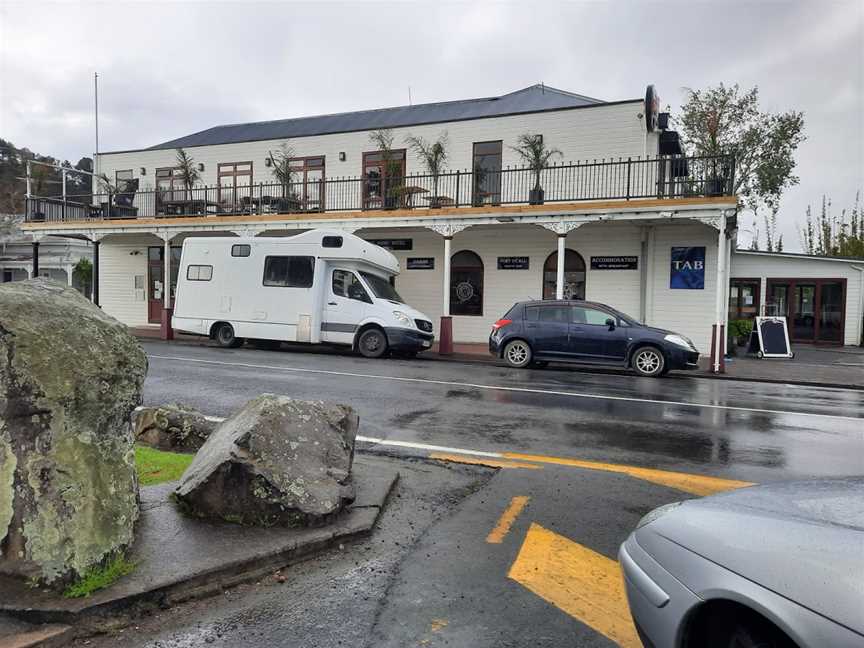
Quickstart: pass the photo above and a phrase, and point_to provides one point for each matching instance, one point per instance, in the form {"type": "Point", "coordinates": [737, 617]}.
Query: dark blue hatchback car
{"type": "Point", "coordinates": [538, 332]}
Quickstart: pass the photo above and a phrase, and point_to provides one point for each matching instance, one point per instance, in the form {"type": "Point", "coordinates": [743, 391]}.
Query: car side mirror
{"type": "Point", "coordinates": [611, 324]}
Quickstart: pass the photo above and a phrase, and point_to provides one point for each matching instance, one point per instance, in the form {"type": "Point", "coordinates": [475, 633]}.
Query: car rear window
{"type": "Point", "coordinates": [548, 313]}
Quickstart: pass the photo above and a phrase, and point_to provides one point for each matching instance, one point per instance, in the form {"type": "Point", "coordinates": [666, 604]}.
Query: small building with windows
{"type": "Point", "coordinates": [621, 215]}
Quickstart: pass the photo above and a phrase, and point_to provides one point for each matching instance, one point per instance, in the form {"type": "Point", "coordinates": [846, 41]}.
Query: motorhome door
{"type": "Point", "coordinates": [346, 306]}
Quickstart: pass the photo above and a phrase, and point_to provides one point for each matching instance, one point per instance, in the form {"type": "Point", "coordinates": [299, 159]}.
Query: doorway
{"type": "Point", "coordinates": [814, 308]}
{"type": "Point", "coordinates": [156, 280]}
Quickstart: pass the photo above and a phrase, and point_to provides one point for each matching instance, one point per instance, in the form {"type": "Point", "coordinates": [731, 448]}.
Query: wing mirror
{"type": "Point", "coordinates": [611, 324]}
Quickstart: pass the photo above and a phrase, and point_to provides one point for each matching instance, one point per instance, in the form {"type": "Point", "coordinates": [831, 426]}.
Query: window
{"type": "Point", "coordinates": [743, 299]}
{"type": "Point", "coordinates": [381, 177]}
{"type": "Point", "coordinates": [331, 242]}
{"type": "Point", "coordinates": [169, 187]}
{"type": "Point", "coordinates": [487, 173]}
{"type": "Point", "coordinates": [121, 178]}
{"type": "Point", "coordinates": [574, 275]}
{"type": "Point", "coordinates": [592, 316]}
{"type": "Point", "coordinates": [382, 288]}
{"type": "Point", "coordinates": [560, 314]}
{"type": "Point", "coordinates": [199, 272]}
{"type": "Point", "coordinates": [466, 284]}
{"type": "Point", "coordinates": [241, 250]}
{"type": "Point", "coordinates": [346, 284]}
{"type": "Point", "coordinates": [289, 271]}
{"type": "Point", "coordinates": [309, 171]}
{"type": "Point", "coordinates": [234, 180]}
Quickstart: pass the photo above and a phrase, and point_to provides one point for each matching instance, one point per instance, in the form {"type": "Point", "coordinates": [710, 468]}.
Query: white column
{"type": "Point", "coordinates": [445, 311]}
{"type": "Point", "coordinates": [166, 279]}
{"type": "Point", "coordinates": [69, 269]}
{"type": "Point", "coordinates": [559, 271]}
{"type": "Point", "coordinates": [720, 292]}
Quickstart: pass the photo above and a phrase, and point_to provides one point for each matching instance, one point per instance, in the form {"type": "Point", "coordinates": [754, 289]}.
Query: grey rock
{"type": "Point", "coordinates": [276, 461]}
{"type": "Point", "coordinates": [175, 427]}
{"type": "Point", "coordinates": [70, 377]}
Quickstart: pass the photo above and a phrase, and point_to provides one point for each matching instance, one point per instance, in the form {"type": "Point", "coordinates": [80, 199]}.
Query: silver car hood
{"type": "Point", "coordinates": [802, 540]}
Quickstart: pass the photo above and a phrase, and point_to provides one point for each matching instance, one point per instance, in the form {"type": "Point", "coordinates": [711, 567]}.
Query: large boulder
{"type": "Point", "coordinates": [70, 376]}
{"type": "Point", "coordinates": [276, 461]}
{"type": "Point", "coordinates": [175, 427]}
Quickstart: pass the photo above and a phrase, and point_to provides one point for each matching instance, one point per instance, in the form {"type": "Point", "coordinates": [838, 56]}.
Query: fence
{"type": "Point", "coordinates": [630, 179]}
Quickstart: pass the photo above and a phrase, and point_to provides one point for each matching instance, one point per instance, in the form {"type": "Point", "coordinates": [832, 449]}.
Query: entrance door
{"type": "Point", "coordinates": [156, 280]}
{"type": "Point", "coordinates": [802, 316]}
{"type": "Point", "coordinates": [830, 315]}
{"type": "Point", "coordinates": [347, 302]}
{"type": "Point", "coordinates": [814, 308]}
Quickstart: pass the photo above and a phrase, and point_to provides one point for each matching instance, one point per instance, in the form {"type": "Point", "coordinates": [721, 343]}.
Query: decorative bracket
{"type": "Point", "coordinates": [449, 230]}
{"type": "Point", "coordinates": [712, 221]}
{"type": "Point", "coordinates": [247, 231]}
{"type": "Point", "coordinates": [562, 228]}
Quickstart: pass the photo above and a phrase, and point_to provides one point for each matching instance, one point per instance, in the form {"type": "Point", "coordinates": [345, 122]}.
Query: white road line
{"type": "Point", "coordinates": [395, 443]}
{"type": "Point", "coordinates": [523, 390]}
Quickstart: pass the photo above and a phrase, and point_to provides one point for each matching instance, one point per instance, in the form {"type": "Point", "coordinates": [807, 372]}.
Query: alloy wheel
{"type": "Point", "coordinates": [518, 353]}
{"type": "Point", "coordinates": [648, 362]}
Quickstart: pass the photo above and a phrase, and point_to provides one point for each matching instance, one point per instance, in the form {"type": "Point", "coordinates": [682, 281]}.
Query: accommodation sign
{"type": "Point", "coordinates": [513, 263]}
{"type": "Point", "coordinates": [687, 268]}
{"type": "Point", "coordinates": [614, 263]}
{"type": "Point", "coordinates": [394, 244]}
{"type": "Point", "coordinates": [420, 263]}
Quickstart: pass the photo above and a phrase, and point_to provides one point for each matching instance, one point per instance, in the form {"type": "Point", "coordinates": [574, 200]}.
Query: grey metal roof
{"type": "Point", "coordinates": [534, 98]}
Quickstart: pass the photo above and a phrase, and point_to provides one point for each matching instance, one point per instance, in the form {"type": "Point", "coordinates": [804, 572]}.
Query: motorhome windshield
{"type": "Point", "coordinates": [382, 288]}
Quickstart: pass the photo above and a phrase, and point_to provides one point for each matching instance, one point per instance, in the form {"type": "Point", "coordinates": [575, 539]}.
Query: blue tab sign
{"type": "Point", "coordinates": [687, 269]}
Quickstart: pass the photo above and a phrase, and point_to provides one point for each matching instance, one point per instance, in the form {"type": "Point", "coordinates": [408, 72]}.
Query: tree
{"type": "Point", "coordinates": [833, 235]}
{"type": "Point", "coordinates": [433, 155]}
{"type": "Point", "coordinates": [727, 120]}
{"type": "Point", "coordinates": [188, 170]}
{"type": "Point", "coordinates": [536, 156]}
{"type": "Point", "coordinates": [9, 227]}
{"type": "Point", "coordinates": [382, 139]}
{"type": "Point", "coordinates": [280, 167]}
{"type": "Point", "coordinates": [83, 273]}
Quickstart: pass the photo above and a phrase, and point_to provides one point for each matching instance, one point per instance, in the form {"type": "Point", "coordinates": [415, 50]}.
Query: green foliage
{"type": "Point", "coordinates": [534, 153]}
{"type": "Point", "coordinates": [723, 120]}
{"type": "Point", "coordinates": [156, 466]}
{"type": "Point", "coordinates": [83, 273]}
{"type": "Point", "coordinates": [833, 235]}
{"type": "Point", "coordinates": [187, 168]}
{"type": "Point", "coordinates": [433, 155]}
{"type": "Point", "coordinates": [741, 327]}
{"type": "Point", "coordinates": [280, 166]}
{"type": "Point", "coordinates": [382, 139]}
{"type": "Point", "coordinates": [100, 577]}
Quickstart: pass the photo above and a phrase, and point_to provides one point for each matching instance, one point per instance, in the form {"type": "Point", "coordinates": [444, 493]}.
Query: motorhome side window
{"type": "Point", "coordinates": [289, 271]}
{"type": "Point", "coordinates": [241, 250]}
{"type": "Point", "coordinates": [346, 284]}
{"type": "Point", "coordinates": [199, 272]}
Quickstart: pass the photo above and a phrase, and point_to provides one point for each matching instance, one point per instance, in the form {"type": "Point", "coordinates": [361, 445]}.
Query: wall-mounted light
{"type": "Point", "coordinates": [268, 162]}
{"type": "Point", "coordinates": [342, 156]}
{"type": "Point", "coordinates": [200, 166]}
{"type": "Point", "coordinates": [143, 171]}
{"type": "Point", "coordinates": [135, 253]}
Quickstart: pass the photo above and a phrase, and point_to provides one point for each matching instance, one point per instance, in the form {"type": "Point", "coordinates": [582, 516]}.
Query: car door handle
{"type": "Point", "coordinates": [332, 304]}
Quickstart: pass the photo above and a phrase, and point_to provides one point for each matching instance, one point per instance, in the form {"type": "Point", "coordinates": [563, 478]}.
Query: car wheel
{"type": "Point", "coordinates": [743, 630]}
{"type": "Point", "coordinates": [518, 354]}
{"type": "Point", "coordinates": [372, 343]}
{"type": "Point", "coordinates": [225, 337]}
{"type": "Point", "coordinates": [648, 361]}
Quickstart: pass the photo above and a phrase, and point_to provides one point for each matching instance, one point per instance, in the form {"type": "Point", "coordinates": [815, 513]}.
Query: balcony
{"type": "Point", "coordinates": [665, 177]}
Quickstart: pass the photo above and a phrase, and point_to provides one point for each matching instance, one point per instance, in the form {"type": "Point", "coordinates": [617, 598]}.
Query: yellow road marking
{"type": "Point", "coordinates": [508, 517]}
{"type": "Point", "coordinates": [481, 461]}
{"type": "Point", "coordinates": [689, 483]}
{"type": "Point", "coordinates": [439, 624]}
{"type": "Point", "coordinates": [578, 581]}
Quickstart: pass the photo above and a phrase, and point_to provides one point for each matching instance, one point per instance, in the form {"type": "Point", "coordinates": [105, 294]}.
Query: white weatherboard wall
{"type": "Point", "coordinates": [690, 312]}
{"type": "Point", "coordinates": [596, 132]}
{"type": "Point", "coordinates": [121, 258]}
{"type": "Point", "coordinates": [746, 265]}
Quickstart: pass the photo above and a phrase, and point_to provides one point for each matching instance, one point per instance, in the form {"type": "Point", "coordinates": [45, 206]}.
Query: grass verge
{"type": "Point", "coordinates": [99, 578]}
{"type": "Point", "coordinates": [157, 466]}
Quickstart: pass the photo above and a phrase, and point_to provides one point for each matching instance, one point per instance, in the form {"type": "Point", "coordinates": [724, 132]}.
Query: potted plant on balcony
{"type": "Point", "coordinates": [391, 169]}
{"type": "Point", "coordinates": [188, 170]}
{"type": "Point", "coordinates": [433, 155]}
{"type": "Point", "coordinates": [280, 167]}
{"type": "Point", "coordinates": [536, 156]}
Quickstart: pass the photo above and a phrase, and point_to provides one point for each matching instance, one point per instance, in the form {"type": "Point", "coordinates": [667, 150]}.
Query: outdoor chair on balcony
{"type": "Point", "coordinates": [122, 204]}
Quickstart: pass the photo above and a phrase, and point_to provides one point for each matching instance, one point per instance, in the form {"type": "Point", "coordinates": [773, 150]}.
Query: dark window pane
{"type": "Point", "coordinates": [199, 272]}
{"type": "Point", "coordinates": [289, 272]}
{"type": "Point", "coordinates": [466, 259]}
{"type": "Point", "coordinates": [582, 315]}
{"type": "Point", "coordinates": [532, 313]}
{"type": "Point", "coordinates": [483, 148]}
{"type": "Point", "coordinates": [555, 314]}
{"type": "Point", "coordinates": [331, 242]}
{"type": "Point", "coordinates": [241, 250]}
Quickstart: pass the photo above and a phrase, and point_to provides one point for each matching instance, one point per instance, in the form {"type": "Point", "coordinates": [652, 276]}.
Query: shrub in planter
{"type": "Point", "coordinates": [534, 152]}
{"type": "Point", "coordinates": [740, 330]}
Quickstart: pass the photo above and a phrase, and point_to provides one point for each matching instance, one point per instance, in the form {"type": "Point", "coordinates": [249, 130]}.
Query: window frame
{"type": "Point", "coordinates": [454, 269]}
{"type": "Point", "coordinates": [199, 267]}
{"type": "Point", "coordinates": [366, 298]}
{"type": "Point", "coordinates": [737, 282]}
{"type": "Point", "coordinates": [233, 174]}
{"type": "Point", "coordinates": [267, 261]}
{"type": "Point", "coordinates": [248, 250]}
{"type": "Point", "coordinates": [476, 199]}
{"type": "Point", "coordinates": [396, 155]}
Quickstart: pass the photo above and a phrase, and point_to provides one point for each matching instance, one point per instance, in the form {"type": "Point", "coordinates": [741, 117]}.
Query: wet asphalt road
{"type": "Point", "coordinates": [740, 430]}
{"type": "Point", "coordinates": [430, 576]}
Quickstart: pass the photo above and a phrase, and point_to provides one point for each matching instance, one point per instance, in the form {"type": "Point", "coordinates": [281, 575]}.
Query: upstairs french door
{"type": "Point", "coordinates": [309, 182]}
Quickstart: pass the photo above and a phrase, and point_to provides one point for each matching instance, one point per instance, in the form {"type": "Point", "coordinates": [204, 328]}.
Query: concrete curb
{"type": "Point", "coordinates": [607, 371]}
{"type": "Point", "coordinates": [115, 606]}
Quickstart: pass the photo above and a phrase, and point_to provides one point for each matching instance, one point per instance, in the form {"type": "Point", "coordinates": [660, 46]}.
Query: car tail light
{"type": "Point", "coordinates": [501, 323]}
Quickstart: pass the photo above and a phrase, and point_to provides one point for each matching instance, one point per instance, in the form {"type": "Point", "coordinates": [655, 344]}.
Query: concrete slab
{"type": "Point", "coordinates": [179, 557]}
{"type": "Point", "coordinates": [18, 634]}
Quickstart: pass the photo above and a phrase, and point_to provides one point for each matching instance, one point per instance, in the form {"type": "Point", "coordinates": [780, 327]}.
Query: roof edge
{"type": "Point", "coordinates": [802, 255]}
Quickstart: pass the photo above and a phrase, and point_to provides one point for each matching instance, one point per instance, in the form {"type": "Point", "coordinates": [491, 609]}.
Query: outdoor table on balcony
{"type": "Point", "coordinates": [189, 207]}
{"type": "Point", "coordinates": [439, 201]}
{"type": "Point", "coordinates": [277, 205]}
{"type": "Point", "coordinates": [408, 194]}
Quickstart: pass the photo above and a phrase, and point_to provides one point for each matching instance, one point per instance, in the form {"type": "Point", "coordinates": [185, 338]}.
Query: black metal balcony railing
{"type": "Point", "coordinates": [630, 179]}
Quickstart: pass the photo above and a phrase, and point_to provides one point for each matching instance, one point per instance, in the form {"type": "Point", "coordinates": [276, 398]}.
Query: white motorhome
{"type": "Point", "coordinates": [318, 287]}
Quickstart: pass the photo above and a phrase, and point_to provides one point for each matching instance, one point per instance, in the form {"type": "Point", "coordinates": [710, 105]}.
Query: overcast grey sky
{"type": "Point", "coordinates": [171, 68]}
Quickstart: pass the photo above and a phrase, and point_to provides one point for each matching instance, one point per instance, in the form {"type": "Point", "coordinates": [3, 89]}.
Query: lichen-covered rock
{"type": "Point", "coordinates": [70, 376]}
{"type": "Point", "coordinates": [276, 461]}
{"type": "Point", "coordinates": [175, 427]}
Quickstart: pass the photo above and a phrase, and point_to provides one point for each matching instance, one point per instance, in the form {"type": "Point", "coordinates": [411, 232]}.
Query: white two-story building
{"type": "Point", "coordinates": [622, 217]}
